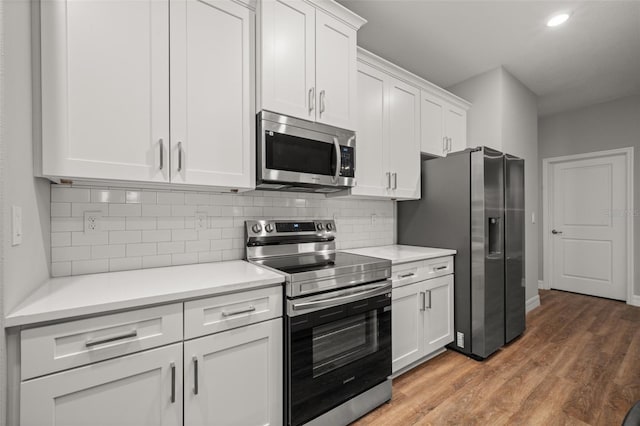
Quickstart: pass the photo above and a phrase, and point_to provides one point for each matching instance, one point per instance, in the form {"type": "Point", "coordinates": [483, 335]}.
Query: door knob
{"type": "Point", "coordinates": [554, 232]}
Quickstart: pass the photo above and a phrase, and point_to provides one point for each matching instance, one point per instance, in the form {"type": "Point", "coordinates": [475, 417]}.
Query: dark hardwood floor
{"type": "Point", "coordinates": [577, 363]}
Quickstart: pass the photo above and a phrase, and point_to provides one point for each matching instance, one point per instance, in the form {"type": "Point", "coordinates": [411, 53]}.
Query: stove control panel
{"type": "Point", "coordinates": [275, 228]}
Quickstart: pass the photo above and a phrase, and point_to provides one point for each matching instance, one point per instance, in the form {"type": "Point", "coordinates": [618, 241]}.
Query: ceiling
{"type": "Point", "coordinates": [593, 57]}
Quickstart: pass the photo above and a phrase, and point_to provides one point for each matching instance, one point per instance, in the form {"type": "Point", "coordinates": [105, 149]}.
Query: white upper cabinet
{"type": "Point", "coordinates": [105, 93]}
{"type": "Point", "coordinates": [444, 123]}
{"type": "Point", "coordinates": [387, 133]}
{"type": "Point", "coordinates": [167, 97]}
{"type": "Point", "coordinates": [404, 140]}
{"type": "Point", "coordinates": [372, 148]}
{"type": "Point", "coordinates": [335, 72]}
{"type": "Point", "coordinates": [212, 103]}
{"type": "Point", "coordinates": [288, 69]}
{"type": "Point", "coordinates": [307, 60]}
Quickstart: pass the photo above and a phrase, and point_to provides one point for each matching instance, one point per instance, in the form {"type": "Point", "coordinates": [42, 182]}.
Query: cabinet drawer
{"type": "Point", "coordinates": [412, 272]}
{"type": "Point", "coordinates": [61, 346]}
{"type": "Point", "coordinates": [219, 313]}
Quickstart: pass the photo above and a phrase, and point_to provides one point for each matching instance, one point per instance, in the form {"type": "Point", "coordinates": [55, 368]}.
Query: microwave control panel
{"type": "Point", "coordinates": [347, 168]}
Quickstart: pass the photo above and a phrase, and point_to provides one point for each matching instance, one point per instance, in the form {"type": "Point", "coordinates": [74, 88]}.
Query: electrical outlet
{"type": "Point", "coordinates": [92, 222]}
{"type": "Point", "coordinates": [201, 221]}
{"type": "Point", "coordinates": [460, 339]}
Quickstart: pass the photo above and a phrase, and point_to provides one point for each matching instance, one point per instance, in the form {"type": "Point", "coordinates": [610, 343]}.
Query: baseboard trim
{"type": "Point", "coordinates": [541, 285]}
{"type": "Point", "coordinates": [532, 303]}
{"type": "Point", "coordinates": [635, 300]}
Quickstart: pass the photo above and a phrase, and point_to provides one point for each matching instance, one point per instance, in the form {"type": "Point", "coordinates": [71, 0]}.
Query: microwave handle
{"type": "Point", "coordinates": [338, 160]}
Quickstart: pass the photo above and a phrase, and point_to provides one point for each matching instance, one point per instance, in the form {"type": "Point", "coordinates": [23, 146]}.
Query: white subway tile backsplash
{"type": "Point", "coordinates": [125, 264]}
{"type": "Point", "coordinates": [60, 209]}
{"type": "Point", "coordinates": [108, 251]}
{"type": "Point", "coordinates": [125, 237]}
{"type": "Point", "coordinates": [60, 239]}
{"type": "Point", "coordinates": [156, 236]}
{"type": "Point", "coordinates": [149, 229]}
{"type": "Point", "coordinates": [80, 267]}
{"type": "Point", "coordinates": [66, 194]}
{"type": "Point", "coordinates": [125, 210]}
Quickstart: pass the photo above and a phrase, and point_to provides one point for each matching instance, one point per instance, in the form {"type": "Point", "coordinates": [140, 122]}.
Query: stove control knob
{"type": "Point", "coordinates": [319, 226]}
{"type": "Point", "coordinates": [269, 227]}
{"type": "Point", "coordinates": [256, 228]}
{"type": "Point", "coordinates": [329, 227]}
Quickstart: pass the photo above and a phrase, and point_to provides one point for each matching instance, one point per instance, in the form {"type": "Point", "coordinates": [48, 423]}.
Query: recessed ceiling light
{"type": "Point", "coordinates": [558, 19]}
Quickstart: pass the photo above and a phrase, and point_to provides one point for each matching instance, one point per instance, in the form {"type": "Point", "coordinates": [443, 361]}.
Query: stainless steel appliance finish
{"type": "Point", "coordinates": [473, 202]}
{"type": "Point", "coordinates": [300, 155]}
{"type": "Point", "coordinates": [337, 320]}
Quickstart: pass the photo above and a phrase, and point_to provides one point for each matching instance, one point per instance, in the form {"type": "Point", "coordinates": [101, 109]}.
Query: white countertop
{"type": "Point", "coordinates": [398, 254]}
{"type": "Point", "coordinates": [61, 298]}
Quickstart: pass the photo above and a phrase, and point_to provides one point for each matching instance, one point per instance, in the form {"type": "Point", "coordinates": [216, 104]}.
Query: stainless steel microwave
{"type": "Point", "coordinates": [299, 155]}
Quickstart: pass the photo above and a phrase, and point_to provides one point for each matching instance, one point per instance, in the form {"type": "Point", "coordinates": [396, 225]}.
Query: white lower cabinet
{"type": "Point", "coordinates": [136, 369]}
{"type": "Point", "coordinates": [134, 390]}
{"type": "Point", "coordinates": [235, 377]}
{"type": "Point", "coordinates": [422, 319]}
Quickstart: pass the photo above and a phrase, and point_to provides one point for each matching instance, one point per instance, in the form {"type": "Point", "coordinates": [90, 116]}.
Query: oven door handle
{"type": "Point", "coordinates": [341, 300]}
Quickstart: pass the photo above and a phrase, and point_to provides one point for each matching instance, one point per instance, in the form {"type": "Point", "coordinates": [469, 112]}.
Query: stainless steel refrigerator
{"type": "Point", "coordinates": [473, 201]}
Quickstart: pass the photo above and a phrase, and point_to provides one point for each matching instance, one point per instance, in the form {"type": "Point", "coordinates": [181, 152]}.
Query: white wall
{"type": "Point", "coordinates": [504, 116]}
{"type": "Point", "coordinates": [26, 266]}
{"type": "Point", "coordinates": [484, 118]}
{"type": "Point", "coordinates": [609, 125]}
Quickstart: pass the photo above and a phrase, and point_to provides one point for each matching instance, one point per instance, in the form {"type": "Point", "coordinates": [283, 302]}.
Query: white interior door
{"type": "Point", "coordinates": [588, 226]}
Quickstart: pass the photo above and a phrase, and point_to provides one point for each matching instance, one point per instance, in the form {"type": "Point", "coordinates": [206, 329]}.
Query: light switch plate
{"type": "Point", "coordinates": [16, 225]}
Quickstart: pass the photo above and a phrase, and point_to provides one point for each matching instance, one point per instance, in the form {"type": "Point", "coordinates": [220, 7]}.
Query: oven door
{"type": "Point", "coordinates": [292, 154]}
{"type": "Point", "coordinates": [339, 345]}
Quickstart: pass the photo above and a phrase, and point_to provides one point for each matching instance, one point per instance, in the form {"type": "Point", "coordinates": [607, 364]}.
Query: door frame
{"type": "Point", "coordinates": [547, 208]}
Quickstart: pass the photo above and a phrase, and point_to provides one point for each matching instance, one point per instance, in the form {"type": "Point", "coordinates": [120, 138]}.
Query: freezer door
{"type": "Point", "coordinates": [487, 247]}
{"type": "Point", "coordinates": [514, 247]}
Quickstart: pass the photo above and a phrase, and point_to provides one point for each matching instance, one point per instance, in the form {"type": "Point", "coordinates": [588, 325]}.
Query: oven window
{"type": "Point", "coordinates": [296, 154]}
{"type": "Point", "coordinates": [342, 342]}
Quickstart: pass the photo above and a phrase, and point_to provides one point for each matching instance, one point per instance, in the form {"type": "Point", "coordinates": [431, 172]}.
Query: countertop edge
{"type": "Point", "coordinates": [16, 319]}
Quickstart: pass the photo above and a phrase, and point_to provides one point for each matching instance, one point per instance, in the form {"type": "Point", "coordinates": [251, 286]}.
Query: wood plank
{"type": "Point", "coordinates": [576, 364]}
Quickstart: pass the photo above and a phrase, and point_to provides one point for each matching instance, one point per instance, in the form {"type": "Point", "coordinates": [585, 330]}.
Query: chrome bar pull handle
{"type": "Point", "coordinates": [450, 148]}
{"type": "Point", "coordinates": [444, 144]}
{"type": "Point", "coordinates": [251, 308]}
{"type": "Point", "coordinates": [161, 154]}
{"type": "Point", "coordinates": [195, 375]}
{"type": "Point", "coordinates": [429, 305]}
{"type": "Point", "coordinates": [94, 342]}
{"type": "Point", "coordinates": [173, 382]}
{"type": "Point", "coordinates": [388, 180]}
{"type": "Point", "coordinates": [440, 268]}
{"type": "Point", "coordinates": [322, 97]}
{"type": "Point", "coordinates": [411, 274]}
{"type": "Point", "coordinates": [424, 301]}
{"type": "Point", "coordinates": [179, 156]}
{"type": "Point", "coordinates": [312, 99]}
{"type": "Point", "coordinates": [395, 180]}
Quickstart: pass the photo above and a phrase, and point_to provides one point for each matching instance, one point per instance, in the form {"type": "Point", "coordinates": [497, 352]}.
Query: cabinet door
{"type": "Point", "coordinates": [134, 390]}
{"type": "Point", "coordinates": [288, 57]}
{"type": "Point", "coordinates": [407, 321]}
{"type": "Point", "coordinates": [371, 146]}
{"type": "Point", "coordinates": [456, 127]}
{"type": "Point", "coordinates": [438, 318]}
{"type": "Point", "coordinates": [432, 139]}
{"type": "Point", "coordinates": [235, 377]}
{"type": "Point", "coordinates": [105, 89]}
{"type": "Point", "coordinates": [212, 92]}
{"type": "Point", "coordinates": [336, 72]}
{"type": "Point", "coordinates": [404, 139]}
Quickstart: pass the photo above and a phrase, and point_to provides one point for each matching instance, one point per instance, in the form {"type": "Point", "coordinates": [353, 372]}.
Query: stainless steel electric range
{"type": "Point", "coordinates": [337, 320]}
